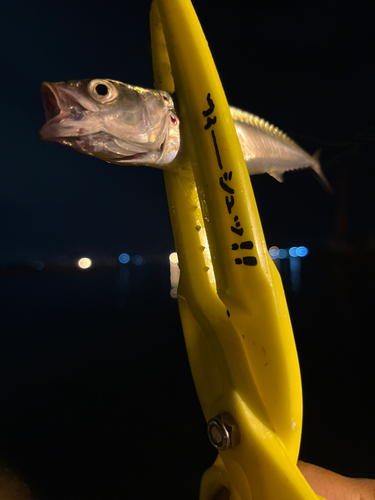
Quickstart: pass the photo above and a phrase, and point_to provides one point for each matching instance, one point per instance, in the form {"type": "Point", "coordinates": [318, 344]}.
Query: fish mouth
{"type": "Point", "coordinates": [143, 158]}
{"type": "Point", "coordinates": [126, 157]}
{"type": "Point", "coordinates": [59, 105]}
{"type": "Point", "coordinates": [50, 102]}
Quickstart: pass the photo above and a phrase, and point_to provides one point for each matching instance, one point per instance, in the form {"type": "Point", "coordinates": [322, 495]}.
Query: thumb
{"type": "Point", "coordinates": [333, 486]}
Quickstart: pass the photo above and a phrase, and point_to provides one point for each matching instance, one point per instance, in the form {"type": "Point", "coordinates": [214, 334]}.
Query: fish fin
{"type": "Point", "coordinates": [317, 154]}
{"type": "Point", "coordinates": [186, 181]}
{"type": "Point", "coordinates": [318, 170]}
{"type": "Point", "coordinates": [277, 175]}
{"type": "Point", "coordinates": [261, 124]}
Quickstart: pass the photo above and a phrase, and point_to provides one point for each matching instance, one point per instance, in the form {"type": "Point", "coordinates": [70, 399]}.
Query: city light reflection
{"type": "Point", "coordinates": [302, 251]}
{"type": "Point", "coordinates": [124, 258]}
{"type": "Point", "coordinates": [294, 255]}
{"type": "Point", "coordinates": [84, 263]}
{"type": "Point", "coordinates": [174, 274]}
{"type": "Point", "coordinates": [274, 252]}
{"type": "Point", "coordinates": [282, 253]}
{"type": "Point", "coordinates": [293, 252]}
{"type": "Point", "coordinates": [173, 258]}
{"type": "Point", "coordinates": [295, 273]}
{"type": "Point", "coordinates": [138, 260]}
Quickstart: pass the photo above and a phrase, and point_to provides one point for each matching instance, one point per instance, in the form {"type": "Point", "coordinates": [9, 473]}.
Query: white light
{"type": "Point", "coordinates": [124, 258]}
{"type": "Point", "coordinates": [173, 258]}
{"type": "Point", "coordinates": [274, 252]}
{"type": "Point", "coordinates": [84, 263]}
{"type": "Point", "coordinates": [173, 293]}
{"type": "Point", "coordinates": [174, 273]}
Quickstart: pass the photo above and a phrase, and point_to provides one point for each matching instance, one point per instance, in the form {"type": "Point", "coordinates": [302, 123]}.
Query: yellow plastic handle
{"type": "Point", "coordinates": [233, 309]}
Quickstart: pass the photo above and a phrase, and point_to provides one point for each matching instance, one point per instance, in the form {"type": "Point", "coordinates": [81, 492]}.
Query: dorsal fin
{"type": "Point", "coordinates": [259, 123]}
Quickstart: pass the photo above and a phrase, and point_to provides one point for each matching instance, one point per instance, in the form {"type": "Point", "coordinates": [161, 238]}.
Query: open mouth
{"type": "Point", "coordinates": [58, 100]}
{"type": "Point", "coordinates": [50, 103]}
{"type": "Point", "coordinates": [61, 106]}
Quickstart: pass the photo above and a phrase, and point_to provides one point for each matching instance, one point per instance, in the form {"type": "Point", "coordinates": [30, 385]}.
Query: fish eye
{"type": "Point", "coordinates": [102, 90]}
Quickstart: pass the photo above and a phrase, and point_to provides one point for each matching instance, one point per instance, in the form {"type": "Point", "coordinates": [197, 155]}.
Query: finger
{"type": "Point", "coordinates": [11, 486]}
{"type": "Point", "coordinates": [333, 486]}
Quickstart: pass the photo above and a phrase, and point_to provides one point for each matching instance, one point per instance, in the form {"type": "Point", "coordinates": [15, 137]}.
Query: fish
{"type": "Point", "coordinates": [129, 125]}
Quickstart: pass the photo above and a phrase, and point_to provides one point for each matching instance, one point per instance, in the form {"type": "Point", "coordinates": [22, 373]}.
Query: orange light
{"type": "Point", "coordinates": [84, 263]}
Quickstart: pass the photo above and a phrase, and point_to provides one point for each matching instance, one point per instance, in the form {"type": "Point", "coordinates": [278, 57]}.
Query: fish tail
{"type": "Point", "coordinates": [318, 170]}
{"type": "Point", "coordinates": [317, 154]}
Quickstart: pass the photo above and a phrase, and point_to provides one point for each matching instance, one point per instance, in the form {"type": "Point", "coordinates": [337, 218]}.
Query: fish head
{"type": "Point", "coordinates": [111, 120]}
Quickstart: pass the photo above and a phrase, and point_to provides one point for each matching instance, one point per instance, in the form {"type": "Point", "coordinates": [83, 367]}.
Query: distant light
{"type": "Point", "coordinates": [278, 253]}
{"type": "Point", "coordinates": [293, 252]}
{"type": "Point", "coordinates": [124, 258]}
{"type": "Point", "coordinates": [174, 274]}
{"type": "Point", "coordinates": [173, 258]}
{"type": "Point", "coordinates": [274, 252]}
{"type": "Point", "coordinates": [137, 260]}
{"type": "Point", "coordinates": [84, 263]}
{"type": "Point", "coordinates": [38, 265]}
{"type": "Point", "coordinates": [302, 251]}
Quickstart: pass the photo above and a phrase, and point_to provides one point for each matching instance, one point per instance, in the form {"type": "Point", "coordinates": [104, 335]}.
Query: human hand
{"type": "Point", "coordinates": [325, 483]}
{"type": "Point", "coordinates": [328, 485]}
{"type": "Point", "coordinates": [333, 486]}
{"type": "Point", "coordinates": [12, 487]}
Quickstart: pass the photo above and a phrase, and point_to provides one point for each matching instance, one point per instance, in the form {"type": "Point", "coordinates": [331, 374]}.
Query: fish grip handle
{"type": "Point", "coordinates": [235, 319]}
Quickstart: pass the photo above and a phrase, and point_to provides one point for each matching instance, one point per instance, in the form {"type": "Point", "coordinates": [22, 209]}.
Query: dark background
{"type": "Point", "coordinates": [96, 395]}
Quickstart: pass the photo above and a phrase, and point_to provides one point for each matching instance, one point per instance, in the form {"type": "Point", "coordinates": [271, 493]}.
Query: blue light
{"type": "Point", "coordinates": [124, 258]}
{"type": "Point", "coordinates": [137, 260]}
{"type": "Point", "coordinates": [38, 265]}
{"type": "Point", "coordinates": [274, 252]}
{"type": "Point", "coordinates": [302, 251]}
{"type": "Point", "coordinates": [293, 252]}
{"type": "Point", "coordinates": [283, 254]}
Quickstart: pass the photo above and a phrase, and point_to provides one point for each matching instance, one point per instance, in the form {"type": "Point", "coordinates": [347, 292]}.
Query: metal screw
{"type": "Point", "coordinates": [220, 431]}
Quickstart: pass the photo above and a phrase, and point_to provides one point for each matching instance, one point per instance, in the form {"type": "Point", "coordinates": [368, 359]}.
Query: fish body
{"type": "Point", "coordinates": [130, 125]}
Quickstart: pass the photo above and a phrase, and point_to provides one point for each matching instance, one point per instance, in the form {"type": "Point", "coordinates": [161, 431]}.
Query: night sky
{"type": "Point", "coordinates": [87, 356]}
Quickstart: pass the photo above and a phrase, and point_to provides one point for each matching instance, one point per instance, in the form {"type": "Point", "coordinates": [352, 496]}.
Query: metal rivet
{"type": "Point", "coordinates": [220, 432]}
